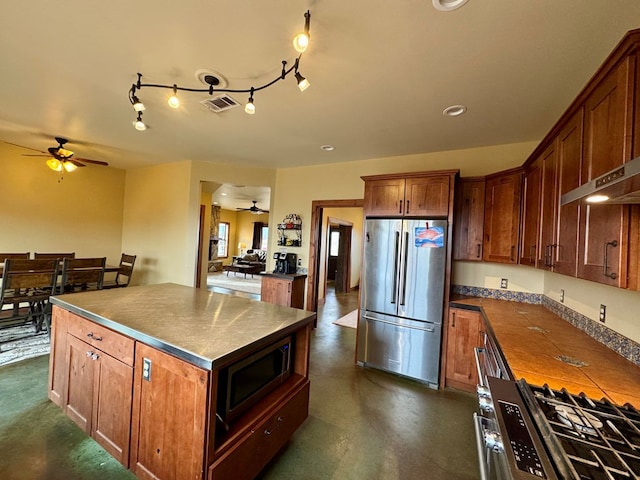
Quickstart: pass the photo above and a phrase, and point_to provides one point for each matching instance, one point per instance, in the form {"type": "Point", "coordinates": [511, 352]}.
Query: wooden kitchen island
{"type": "Point", "coordinates": [140, 369]}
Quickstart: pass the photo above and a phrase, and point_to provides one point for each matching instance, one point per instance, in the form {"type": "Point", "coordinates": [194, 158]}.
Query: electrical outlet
{"type": "Point", "coordinates": [561, 295]}
{"type": "Point", "coordinates": [146, 369]}
{"type": "Point", "coordinates": [603, 313]}
{"type": "Point", "coordinates": [299, 262]}
{"type": "Point", "coordinates": [504, 283]}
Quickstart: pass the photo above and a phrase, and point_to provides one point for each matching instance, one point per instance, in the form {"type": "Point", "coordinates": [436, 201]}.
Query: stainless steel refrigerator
{"type": "Point", "coordinates": [402, 298]}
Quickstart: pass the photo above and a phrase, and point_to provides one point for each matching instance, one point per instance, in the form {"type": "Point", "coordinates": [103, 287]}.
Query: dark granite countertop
{"type": "Point", "coordinates": [196, 325]}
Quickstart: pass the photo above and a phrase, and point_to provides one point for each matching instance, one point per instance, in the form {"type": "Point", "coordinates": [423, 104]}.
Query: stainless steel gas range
{"type": "Point", "coordinates": [530, 432]}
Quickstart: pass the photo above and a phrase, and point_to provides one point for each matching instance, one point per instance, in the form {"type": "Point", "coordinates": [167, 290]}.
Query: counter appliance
{"type": "Point", "coordinates": [402, 298]}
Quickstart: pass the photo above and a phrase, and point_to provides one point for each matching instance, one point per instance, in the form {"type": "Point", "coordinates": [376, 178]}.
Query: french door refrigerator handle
{"type": "Point", "coordinates": [374, 319]}
{"type": "Point", "coordinates": [396, 254]}
{"type": "Point", "coordinates": [404, 270]}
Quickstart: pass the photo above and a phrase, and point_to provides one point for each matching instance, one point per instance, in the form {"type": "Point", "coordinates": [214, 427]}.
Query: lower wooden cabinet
{"type": "Point", "coordinates": [463, 336]}
{"type": "Point", "coordinates": [92, 386]}
{"type": "Point", "coordinates": [287, 290]}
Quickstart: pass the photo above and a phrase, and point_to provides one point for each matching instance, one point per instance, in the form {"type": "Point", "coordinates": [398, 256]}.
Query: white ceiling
{"type": "Point", "coordinates": [381, 73]}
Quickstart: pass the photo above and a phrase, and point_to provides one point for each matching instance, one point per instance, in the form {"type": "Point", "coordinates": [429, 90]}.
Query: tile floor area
{"type": "Point", "coordinates": [363, 424]}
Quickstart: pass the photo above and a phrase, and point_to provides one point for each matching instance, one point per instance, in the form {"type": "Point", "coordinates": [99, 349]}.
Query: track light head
{"type": "Point", "coordinates": [174, 101]}
{"type": "Point", "coordinates": [301, 40]}
{"type": "Point", "coordinates": [139, 124]}
{"type": "Point", "coordinates": [303, 83]}
{"type": "Point", "coordinates": [138, 106]}
{"type": "Point", "coordinates": [250, 108]}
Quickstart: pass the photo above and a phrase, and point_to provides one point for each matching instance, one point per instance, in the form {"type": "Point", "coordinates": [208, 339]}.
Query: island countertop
{"type": "Point", "coordinates": [201, 327]}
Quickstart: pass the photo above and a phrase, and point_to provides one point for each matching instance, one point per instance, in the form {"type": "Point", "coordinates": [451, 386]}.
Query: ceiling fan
{"type": "Point", "coordinates": [62, 158]}
{"type": "Point", "coordinates": [253, 209]}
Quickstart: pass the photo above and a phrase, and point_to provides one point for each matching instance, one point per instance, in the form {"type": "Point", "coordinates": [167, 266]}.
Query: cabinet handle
{"type": "Point", "coordinates": [547, 249]}
{"type": "Point", "coordinates": [407, 207]}
{"type": "Point", "coordinates": [551, 247]}
{"type": "Point", "coordinates": [513, 249]}
{"type": "Point", "coordinates": [279, 420]}
{"type": "Point", "coordinates": [400, 211]}
{"type": "Point", "coordinates": [478, 251]}
{"type": "Point", "coordinates": [453, 320]}
{"type": "Point", "coordinates": [605, 267]}
{"type": "Point", "coordinates": [92, 336]}
{"type": "Point", "coordinates": [531, 249]}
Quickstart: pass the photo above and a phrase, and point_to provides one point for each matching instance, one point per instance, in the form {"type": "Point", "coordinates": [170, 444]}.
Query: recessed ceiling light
{"type": "Point", "coordinates": [448, 5]}
{"type": "Point", "coordinates": [327, 148]}
{"type": "Point", "coordinates": [454, 110]}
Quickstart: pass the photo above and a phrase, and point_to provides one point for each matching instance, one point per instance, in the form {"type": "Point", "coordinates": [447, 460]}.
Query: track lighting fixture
{"type": "Point", "coordinates": [300, 43]}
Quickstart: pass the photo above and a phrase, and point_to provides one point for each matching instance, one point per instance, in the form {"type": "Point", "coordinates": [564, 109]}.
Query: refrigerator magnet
{"type": "Point", "coordinates": [429, 237]}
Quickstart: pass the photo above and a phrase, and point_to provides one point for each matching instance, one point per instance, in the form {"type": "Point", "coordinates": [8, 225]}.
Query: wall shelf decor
{"type": "Point", "coordinates": [290, 231]}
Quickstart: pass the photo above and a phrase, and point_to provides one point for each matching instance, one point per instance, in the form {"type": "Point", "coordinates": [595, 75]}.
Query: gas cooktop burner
{"type": "Point", "coordinates": [581, 421]}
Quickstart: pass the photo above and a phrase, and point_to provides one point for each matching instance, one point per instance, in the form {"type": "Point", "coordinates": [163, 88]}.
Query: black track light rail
{"type": "Point", "coordinates": [212, 89]}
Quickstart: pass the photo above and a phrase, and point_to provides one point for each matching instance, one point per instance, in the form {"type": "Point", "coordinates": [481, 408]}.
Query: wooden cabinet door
{"type": "Point", "coordinates": [530, 223]}
{"type": "Point", "coordinates": [603, 244]}
{"type": "Point", "coordinates": [462, 337]}
{"type": "Point", "coordinates": [468, 223]}
{"type": "Point", "coordinates": [549, 202]}
{"type": "Point", "coordinates": [111, 420]}
{"type": "Point", "coordinates": [278, 291]}
{"type": "Point", "coordinates": [169, 417]}
{"type": "Point", "coordinates": [427, 196]}
{"type": "Point", "coordinates": [79, 394]}
{"type": "Point", "coordinates": [569, 158]}
{"type": "Point", "coordinates": [502, 218]}
{"type": "Point", "coordinates": [384, 197]}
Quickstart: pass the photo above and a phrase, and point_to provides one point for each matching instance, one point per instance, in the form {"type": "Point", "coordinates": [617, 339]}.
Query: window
{"type": "Point", "coordinates": [334, 243]}
{"type": "Point", "coordinates": [265, 238]}
{"type": "Point", "coordinates": [223, 240]}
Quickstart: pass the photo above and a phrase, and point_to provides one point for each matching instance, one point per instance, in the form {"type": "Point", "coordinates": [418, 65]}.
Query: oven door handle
{"type": "Point", "coordinates": [477, 423]}
{"type": "Point", "coordinates": [477, 351]}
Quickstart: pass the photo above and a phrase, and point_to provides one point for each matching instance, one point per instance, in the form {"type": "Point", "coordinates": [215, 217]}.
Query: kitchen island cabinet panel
{"type": "Point", "coordinates": [169, 413]}
{"type": "Point", "coordinates": [281, 289]}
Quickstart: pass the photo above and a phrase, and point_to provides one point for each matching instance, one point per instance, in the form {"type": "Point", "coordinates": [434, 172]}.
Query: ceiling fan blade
{"type": "Point", "coordinates": [75, 162]}
{"type": "Point", "coordinates": [22, 146]}
{"type": "Point", "coordinates": [95, 162]}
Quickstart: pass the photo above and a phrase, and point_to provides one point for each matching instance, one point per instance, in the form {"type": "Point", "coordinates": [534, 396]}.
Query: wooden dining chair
{"type": "Point", "coordinates": [26, 287]}
{"type": "Point", "coordinates": [59, 256]}
{"type": "Point", "coordinates": [18, 256]}
{"type": "Point", "coordinates": [123, 276]}
{"type": "Point", "coordinates": [82, 274]}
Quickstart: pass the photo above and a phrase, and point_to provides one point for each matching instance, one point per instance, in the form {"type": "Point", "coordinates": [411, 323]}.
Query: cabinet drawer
{"type": "Point", "coordinates": [263, 441]}
{"type": "Point", "coordinates": [100, 337]}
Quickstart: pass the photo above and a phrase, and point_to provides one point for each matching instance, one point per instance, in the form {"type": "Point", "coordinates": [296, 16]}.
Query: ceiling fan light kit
{"type": "Point", "coordinates": [300, 44]}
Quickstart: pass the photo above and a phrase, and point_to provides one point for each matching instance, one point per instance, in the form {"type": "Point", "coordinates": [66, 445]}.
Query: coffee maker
{"type": "Point", "coordinates": [285, 262]}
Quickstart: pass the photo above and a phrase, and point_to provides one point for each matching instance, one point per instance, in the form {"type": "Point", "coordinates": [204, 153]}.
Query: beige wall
{"type": "Point", "coordinates": [82, 213]}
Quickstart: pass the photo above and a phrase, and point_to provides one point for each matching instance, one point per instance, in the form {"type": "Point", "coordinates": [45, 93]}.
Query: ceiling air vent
{"type": "Point", "coordinates": [220, 103]}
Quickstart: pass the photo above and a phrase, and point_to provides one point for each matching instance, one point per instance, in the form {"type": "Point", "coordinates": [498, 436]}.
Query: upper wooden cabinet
{"type": "Point", "coordinates": [530, 222]}
{"type": "Point", "coordinates": [502, 217]}
{"type": "Point", "coordinates": [468, 223]}
{"type": "Point", "coordinates": [420, 194]}
{"type": "Point", "coordinates": [603, 243]}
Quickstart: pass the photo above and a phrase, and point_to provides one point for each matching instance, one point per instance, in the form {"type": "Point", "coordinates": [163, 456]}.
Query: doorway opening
{"type": "Point", "coordinates": [347, 213]}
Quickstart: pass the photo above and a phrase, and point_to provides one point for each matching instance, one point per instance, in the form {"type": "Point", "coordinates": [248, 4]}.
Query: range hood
{"type": "Point", "coordinates": [620, 186]}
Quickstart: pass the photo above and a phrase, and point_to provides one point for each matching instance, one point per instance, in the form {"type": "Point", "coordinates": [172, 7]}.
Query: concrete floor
{"type": "Point", "coordinates": [362, 424]}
